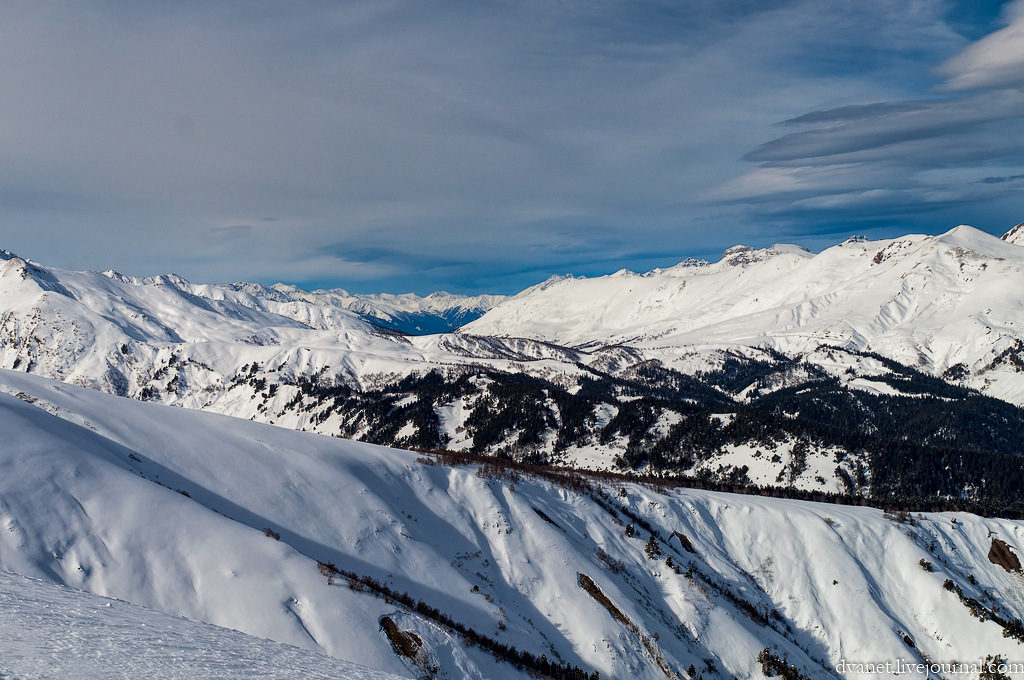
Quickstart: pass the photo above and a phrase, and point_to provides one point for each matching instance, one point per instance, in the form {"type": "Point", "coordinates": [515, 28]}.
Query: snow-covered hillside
{"type": "Point", "coordinates": [952, 302]}
{"type": "Point", "coordinates": [224, 521]}
{"type": "Point", "coordinates": [53, 631]}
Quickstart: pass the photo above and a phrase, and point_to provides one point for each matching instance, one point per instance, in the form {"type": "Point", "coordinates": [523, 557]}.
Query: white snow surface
{"type": "Point", "coordinates": [88, 499]}
{"type": "Point", "coordinates": [52, 631]}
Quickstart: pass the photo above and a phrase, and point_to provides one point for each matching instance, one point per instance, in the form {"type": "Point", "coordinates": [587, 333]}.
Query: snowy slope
{"type": "Point", "coordinates": [88, 498]}
{"type": "Point", "coordinates": [952, 301]}
{"type": "Point", "coordinates": [1015, 235]}
{"type": "Point", "coordinates": [625, 307]}
{"type": "Point", "coordinates": [50, 631]}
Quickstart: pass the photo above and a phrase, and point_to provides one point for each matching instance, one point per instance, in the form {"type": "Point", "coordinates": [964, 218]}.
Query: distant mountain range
{"type": "Point", "coordinates": [952, 302]}
{"type": "Point", "coordinates": [875, 368]}
{"type": "Point", "coordinates": [436, 313]}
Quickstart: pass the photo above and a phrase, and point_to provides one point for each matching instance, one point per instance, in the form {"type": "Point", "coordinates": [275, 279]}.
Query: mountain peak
{"type": "Point", "coordinates": [981, 242]}
{"type": "Point", "coordinates": [743, 255]}
{"type": "Point", "coordinates": [1015, 235]}
{"type": "Point", "coordinates": [739, 255]}
{"type": "Point", "coordinates": [13, 263]}
{"type": "Point", "coordinates": [965, 230]}
{"type": "Point", "coordinates": [171, 279]}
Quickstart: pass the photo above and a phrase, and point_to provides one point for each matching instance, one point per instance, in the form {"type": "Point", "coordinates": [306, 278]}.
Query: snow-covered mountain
{"type": "Point", "coordinates": [1015, 235]}
{"type": "Point", "coordinates": [458, 572]}
{"type": "Point", "coordinates": [775, 367]}
{"type": "Point", "coordinates": [952, 302]}
{"type": "Point", "coordinates": [126, 334]}
{"type": "Point", "coordinates": [436, 313]}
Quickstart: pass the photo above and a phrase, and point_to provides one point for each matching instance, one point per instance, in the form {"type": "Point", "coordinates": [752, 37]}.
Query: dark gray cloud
{"type": "Point", "coordinates": [859, 133]}
{"type": "Point", "coordinates": [401, 145]}
{"type": "Point", "coordinates": [1002, 180]}
{"type": "Point", "coordinates": [855, 113]}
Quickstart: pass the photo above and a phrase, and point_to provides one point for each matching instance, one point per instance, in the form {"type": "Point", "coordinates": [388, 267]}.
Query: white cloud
{"type": "Point", "coordinates": [757, 182]}
{"type": "Point", "coordinates": [995, 61]}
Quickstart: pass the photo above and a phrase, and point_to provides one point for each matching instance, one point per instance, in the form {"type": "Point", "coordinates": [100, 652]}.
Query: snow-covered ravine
{"type": "Point", "coordinates": [167, 508]}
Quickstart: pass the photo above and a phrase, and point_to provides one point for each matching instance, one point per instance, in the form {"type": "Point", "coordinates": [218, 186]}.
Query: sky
{"type": "Point", "coordinates": [401, 145]}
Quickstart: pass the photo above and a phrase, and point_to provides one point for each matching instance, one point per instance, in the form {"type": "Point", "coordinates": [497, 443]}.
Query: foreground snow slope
{"type": "Point", "coordinates": [88, 499]}
{"type": "Point", "coordinates": [51, 631]}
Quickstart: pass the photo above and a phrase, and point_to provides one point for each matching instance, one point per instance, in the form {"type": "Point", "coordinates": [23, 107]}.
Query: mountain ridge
{"type": "Point", "coordinates": [942, 300]}
{"type": "Point", "coordinates": [129, 499]}
{"type": "Point", "coordinates": [699, 369]}
{"type": "Point", "coordinates": [1015, 235]}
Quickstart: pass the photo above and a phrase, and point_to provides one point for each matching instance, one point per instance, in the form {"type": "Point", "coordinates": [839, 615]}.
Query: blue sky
{"type": "Point", "coordinates": [483, 146]}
